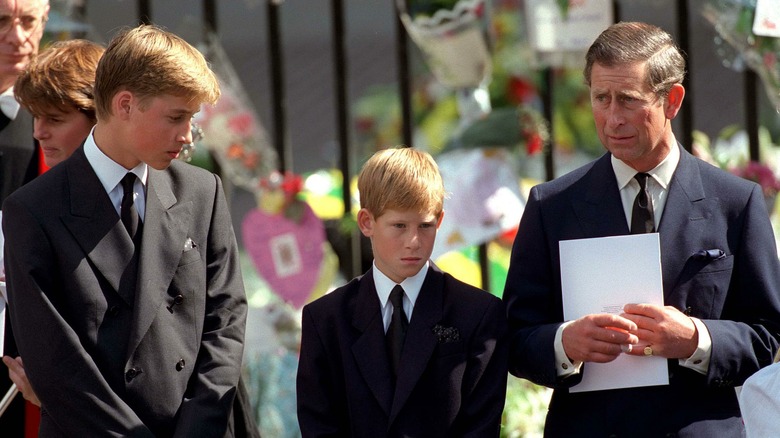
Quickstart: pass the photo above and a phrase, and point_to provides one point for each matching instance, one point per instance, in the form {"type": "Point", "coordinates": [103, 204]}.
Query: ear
{"type": "Point", "coordinates": [674, 101]}
{"type": "Point", "coordinates": [365, 221]}
{"type": "Point", "coordinates": [121, 104]}
{"type": "Point", "coordinates": [438, 222]}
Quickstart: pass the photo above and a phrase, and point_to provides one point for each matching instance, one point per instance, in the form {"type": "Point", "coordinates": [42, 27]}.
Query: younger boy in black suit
{"type": "Point", "coordinates": [428, 359]}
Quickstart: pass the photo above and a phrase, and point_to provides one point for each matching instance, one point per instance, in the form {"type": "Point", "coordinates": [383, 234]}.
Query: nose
{"type": "Point", "coordinates": [40, 130]}
{"type": "Point", "coordinates": [615, 115]}
{"type": "Point", "coordinates": [414, 239]}
{"type": "Point", "coordinates": [186, 137]}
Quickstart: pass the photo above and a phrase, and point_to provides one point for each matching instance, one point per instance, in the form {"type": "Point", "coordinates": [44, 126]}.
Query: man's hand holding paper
{"type": "Point", "coordinates": [669, 332]}
{"type": "Point", "coordinates": [599, 337]}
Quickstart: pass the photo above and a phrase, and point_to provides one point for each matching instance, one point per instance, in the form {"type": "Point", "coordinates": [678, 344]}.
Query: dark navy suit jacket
{"type": "Point", "coordinates": [736, 296]}
{"type": "Point", "coordinates": [446, 387]}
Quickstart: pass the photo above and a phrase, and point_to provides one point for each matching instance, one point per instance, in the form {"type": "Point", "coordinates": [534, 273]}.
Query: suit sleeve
{"type": "Point", "coordinates": [316, 397]}
{"type": "Point", "coordinates": [64, 376]}
{"type": "Point", "coordinates": [209, 397]}
{"type": "Point", "coordinates": [533, 301]}
{"type": "Point", "coordinates": [486, 375]}
{"type": "Point", "coordinates": [745, 337]}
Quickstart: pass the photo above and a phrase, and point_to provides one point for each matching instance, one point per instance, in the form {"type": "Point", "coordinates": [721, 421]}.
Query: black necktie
{"type": "Point", "coordinates": [396, 333]}
{"type": "Point", "coordinates": [129, 214]}
{"type": "Point", "coordinates": [642, 220]}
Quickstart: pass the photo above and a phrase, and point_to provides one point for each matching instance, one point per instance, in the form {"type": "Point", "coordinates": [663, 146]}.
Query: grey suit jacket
{"type": "Point", "coordinates": [736, 296]}
{"type": "Point", "coordinates": [162, 359]}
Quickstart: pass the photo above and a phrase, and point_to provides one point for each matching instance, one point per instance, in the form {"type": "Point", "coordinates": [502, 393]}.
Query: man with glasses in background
{"type": "Point", "coordinates": [21, 29]}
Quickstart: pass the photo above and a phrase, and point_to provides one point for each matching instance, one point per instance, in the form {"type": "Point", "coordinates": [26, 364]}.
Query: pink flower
{"type": "Point", "coordinates": [761, 174]}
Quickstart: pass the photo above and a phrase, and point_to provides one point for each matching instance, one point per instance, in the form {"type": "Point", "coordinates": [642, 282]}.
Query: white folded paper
{"type": "Point", "coordinates": [602, 275]}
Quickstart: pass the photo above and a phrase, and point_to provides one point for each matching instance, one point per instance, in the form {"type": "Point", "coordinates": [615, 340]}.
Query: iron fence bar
{"type": "Point", "coordinates": [342, 126]}
{"type": "Point", "coordinates": [750, 82]}
{"type": "Point", "coordinates": [144, 12]}
{"type": "Point", "coordinates": [210, 15]}
{"type": "Point", "coordinates": [278, 95]}
{"type": "Point", "coordinates": [404, 81]}
{"type": "Point", "coordinates": [684, 41]}
{"type": "Point", "coordinates": [548, 79]}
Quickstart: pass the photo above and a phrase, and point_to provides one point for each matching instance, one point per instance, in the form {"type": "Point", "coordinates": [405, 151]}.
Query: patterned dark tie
{"type": "Point", "coordinates": [129, 214]}
{"type": "Point", "coordinates": [396, 332]}
{"type": "Point", "coordinates": [642, 220]}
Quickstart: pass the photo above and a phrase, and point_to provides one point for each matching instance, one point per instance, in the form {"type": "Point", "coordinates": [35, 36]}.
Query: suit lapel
{"type": "Point", "coordinates": [685, 216]}
{"type": "Point", "coordinates": [95, 224]}
{"type": "Point", "coordinates": [369, 349]}
{"type": "Point", "coordinates": [165, 230]}
{"type": "Point", "coordinates": [420, 341]}
{"type": "Point", "coordinates": [597, 203]}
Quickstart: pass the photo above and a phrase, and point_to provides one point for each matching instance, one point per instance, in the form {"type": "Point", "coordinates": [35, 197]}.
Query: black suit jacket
{"type": "Point", "coordinates": [18, 152]}
{"type": "Point", "coordinates": [445, 388]}
{"type": "Point", "coordinates": [737, 297]}
{"type": "Point", "coordinates": [161, 359]}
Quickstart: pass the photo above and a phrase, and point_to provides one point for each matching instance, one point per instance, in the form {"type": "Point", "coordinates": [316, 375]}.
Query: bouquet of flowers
{"type": "Point", "coordinates": [734, 22]}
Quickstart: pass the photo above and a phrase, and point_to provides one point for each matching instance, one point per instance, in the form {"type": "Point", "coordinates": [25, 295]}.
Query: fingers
{"type": "Point", "coordinates": [598, 338]}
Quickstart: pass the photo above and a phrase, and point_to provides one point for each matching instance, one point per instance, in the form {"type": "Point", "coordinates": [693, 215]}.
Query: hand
{"type": "Point", "coordinates": [598, 337]}
{"type": "Point", "coordinates": [668, 331]}
{"type": "Point", "coordinates": [18, 376]}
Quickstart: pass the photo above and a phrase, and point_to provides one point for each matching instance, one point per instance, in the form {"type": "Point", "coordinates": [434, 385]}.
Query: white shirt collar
{"type": "Point", "coordinates": [108, 171]}
{"type": "Point", "coordinates": [8, 103]}
{"type": "Point", "coordinates": [412, 285]}
{"type": "Point", "coordinates": [662, 173]}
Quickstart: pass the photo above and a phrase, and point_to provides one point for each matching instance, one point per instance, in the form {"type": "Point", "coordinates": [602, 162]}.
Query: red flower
{"type": "Point", "coordinates": [533, 144]}
{"type": "Point", "coordinates": [520, 90]}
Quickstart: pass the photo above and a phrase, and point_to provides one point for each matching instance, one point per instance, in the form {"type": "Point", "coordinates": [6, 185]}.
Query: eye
{"type": "Point", "coordinates": [29, 22]}
{"type": "Point", "coordinates": [6, 21]}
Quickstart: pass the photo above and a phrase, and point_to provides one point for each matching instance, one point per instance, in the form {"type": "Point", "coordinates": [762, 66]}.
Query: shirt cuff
{"type": "Point", "coordinates": [563, 366]}
{"type": "Point", "coordinates": [700, 359]}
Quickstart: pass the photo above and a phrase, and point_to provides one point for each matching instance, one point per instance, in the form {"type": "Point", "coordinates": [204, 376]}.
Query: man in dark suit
{"type": "Point", "coordinates": [404, 350]}
{"type": "Point", "coordinates": [720, 321]}
{"type": "Point", "coordinates": [125, 290]}
{"type": "Point", "coordinates": [21, 28]}
{"type": "Point", "coordinates": [22, 24]}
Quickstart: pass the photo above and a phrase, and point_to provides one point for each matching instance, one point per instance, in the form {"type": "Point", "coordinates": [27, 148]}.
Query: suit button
{"type": "Point", "coordinates": [180, 365]}
{"type": "Point", "coordinates": [687, 311]}
{"type": "Point", "coordinates": [132, 373]}
{"type": "Point", "coordinates": [113, 311]}
{"type": "Point", "coordinates": [178, 299]}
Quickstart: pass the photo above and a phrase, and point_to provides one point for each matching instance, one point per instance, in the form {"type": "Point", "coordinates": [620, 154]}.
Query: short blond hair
{"type": "Point", "coordinates": [61, 77]}
{"type": "Point", "coordinates": [401, 179]}
{"type": "Point", "coordinates": [149, 61]}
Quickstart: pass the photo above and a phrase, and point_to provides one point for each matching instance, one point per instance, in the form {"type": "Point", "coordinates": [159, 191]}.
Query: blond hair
{"type": "Point", "coordinates": [401, 179]}
{"type": "Point", "coordinates": [149, 61]}
{"type": "Point", "coordinates": [62, 78]}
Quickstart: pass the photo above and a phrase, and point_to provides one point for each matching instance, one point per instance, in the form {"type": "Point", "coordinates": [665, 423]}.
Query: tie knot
{"type": "Point", "coordinates": [127, 183]}
{"type": "Point", "coordinates": [641, 178]}
{"type": "Point", "coordinates": [397, 296]}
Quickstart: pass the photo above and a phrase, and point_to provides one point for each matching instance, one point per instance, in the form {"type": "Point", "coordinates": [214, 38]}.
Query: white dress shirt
{"type": "Point", "coordinates": [8, 103]}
